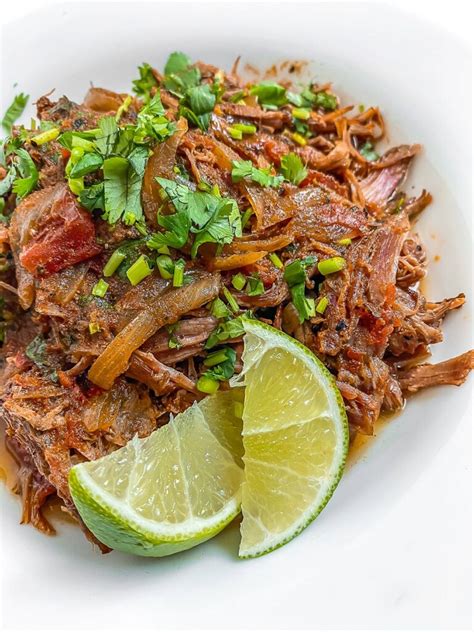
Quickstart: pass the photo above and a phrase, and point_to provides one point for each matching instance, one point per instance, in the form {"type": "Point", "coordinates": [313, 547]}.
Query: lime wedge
{"type": "Point", "coordinates": [295, 436]}
{"type": "Point", "coordinates": [171, 491]}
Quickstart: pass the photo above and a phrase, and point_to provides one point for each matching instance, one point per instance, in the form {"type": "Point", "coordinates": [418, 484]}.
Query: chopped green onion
{"type": "Point", "coordinates": [100, 288]}
{"type": "Point", "coordinates": [329, 266]}
{"type": "Point", "coordinates": [123, 108]}
{"type": "Point", "coordinates": [165, 266]}
{"type": "Point", "coordinates": [347, 241]}
{"type": "Point", "coordinates": [234, 306]}
{"type": "Point", "coordinates": [113, 263]}
{"type": "Point", "coordinates": [238, 281]}
{"type": "Point", "coordinates": [298, 138]}
{"type": "Point", "coordinates": [219, 309]}
{"type": "Point", "coordinates": [361, 107]}
{"type": "Point", "coordinates": [246, 216]}
{"type": "Point", "coordinates": [244, 128]}
{"type": "Point", "coordinates": [300, 113]}
{"type": "Point", "coordinates": [294, 273]}
{"type": "Point", "coordinates": [138, 270]}
{"type": "Point", "coordinates": [178, 273]}
{"type": "Point", "coordinates": [216, 357]}
{"type": "Point", "coordinates": [255, 286]}
{"type": "Point", "coordinates": [45, 137]}
{"type": "Point", "coordinates": [275, 259]}
{"type": "Point", "coordinates": [94, 328]}
{"type": "Point", "coordinates": [238, 409]}
{"type": "Point", "coordinates": [76, 185]}
{"type": "Point", "coordinates": [235, 133]}
{"type": "Point", "coordinates": [163, 250]}
{"type": "Point", "coordinates": [207, 384]}
{"type": "Point", "coordinates": [322, 304]}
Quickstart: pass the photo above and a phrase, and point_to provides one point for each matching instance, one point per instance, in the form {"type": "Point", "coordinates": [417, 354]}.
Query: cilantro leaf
{"type": "Point", "coordinates": [122, 186]}
{"type": "Point", "coordinates": [309, 99]}
{"type": "Point", "coordinates": [177, 62]}
{"type": "Point", "coordinates": [224, 370]}
{"type": "Point", "coordinates": [14, 111]}
{"type": "Point", "coordinates": [244, 169]}
{"type": "Point", "coordinates": [6, 183]}
{"type": "Point", "coordinates": [197, 106]}
{"type": "Point", "coordinates": [146, 81]}
{"type": "Point", "coordinates": [222, 226]}
{"type": "Point", "coordinates": [152, 123]}
{"type": "Point", "coordinates": [295, 276]}
{"type": "Point", "coordinates": [107, 136]}
{"type": "Point", "coordinates": [293, 169]}
{"type": "Point", "coordinates": [369, 152]}
{"type": "Point", "coordinates": [269, 93]}
{"type": "Point", "coordinates": [210, 218]}
{"type": "Point", "coordinates": [87, 164]}
{"type": "Point", "coordinates": [28, 172]}
{"type": "Point", "coordinates": [180, 75]}
{"type": "Point", "coordinates": [93, 197]}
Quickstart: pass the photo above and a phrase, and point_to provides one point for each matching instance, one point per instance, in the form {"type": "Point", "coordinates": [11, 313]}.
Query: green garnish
{"type": "Point", "coordinates": [29, 174]}
{"type": "Point", "coordinates": [14, 111]}
{"type": "Point", "coordinates": [347, 241]}
{"type": "Point", "coordinates": [275, 259]}
{"type": "Point", "coordinates": [219, 309]}
{"type": "Point", "coordinates": [235, 133]}
{"type": "Point", "coordinates": [123, 108]}
{"type": "Point", "coordinates": [211, 219]}
{"type": "Point", "coordinates": [226, 331]}
{"type": "Point", "coordinates": [302, 114]}
{"type": "Point", "coordinates": [244, 169]}
{"type": "Point", "coordinates": [234, 306]}
{"type": "Point", "coordinates": [113, 263]}
{"type": "Point", "coordinates": [165, 266]}
{"type": "Point", "coordinates": [269, 94]}
{"type": "Point", "coordinates": [239, 281]}
{"type": "Point", "coordinates": [100, 288]}
{"type": "Point", "coordinates": [329, 266]}
{"type": "Point", "coordinates": [86, 164]}
{"type": "Point", "coordinates": [293, 169]}
{"type": "Point", "coordinates": [221, 363]}
{"type": "Point", "coordinates": [207, 385]}
{"type": "Point", "coordinates": [298, 138]}
{"type": "Point", "coordinates": [139, 270]}
{"type": "Point", "coordinates": [122, 186]}
{"type": "Point", "coordinates": [144, 84]}
{"type": "Point", "coordinates": [180, 75]}
{"type": "Point", "coordinates": [94, 328]}
{"type": "Point", "coordinates": [254, 286]}
{"type": "Point", "coordinates": [178, 273]}
{"type": "Point", "coordinates": [246, 216]}
{"type": "Point", "coordinates": [368, 151]}
{"type": "Point", "coordinates": [37, 352]}
{"type": "Point", "coordinates": [295, 276]}
{"type": "Point", "coordinates": [197, 106]}
{"type": "Point", "coordinates": [244, 128]}
{"type": "Point", "coordinates": [322, 304]}
{"type": "Point", "coordinates": [45, 137]}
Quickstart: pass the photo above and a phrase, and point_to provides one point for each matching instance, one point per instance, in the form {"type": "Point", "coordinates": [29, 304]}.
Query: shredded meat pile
{"type": "Point", "coordinates": [62, 403]}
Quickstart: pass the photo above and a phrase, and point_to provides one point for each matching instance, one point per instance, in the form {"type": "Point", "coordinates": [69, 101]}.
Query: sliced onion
{"type": "Point", "coordinates": [113, 361]}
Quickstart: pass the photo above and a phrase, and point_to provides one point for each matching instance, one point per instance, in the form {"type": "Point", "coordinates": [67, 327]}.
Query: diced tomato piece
{"type": "Point", "coordinates": [65, 236]}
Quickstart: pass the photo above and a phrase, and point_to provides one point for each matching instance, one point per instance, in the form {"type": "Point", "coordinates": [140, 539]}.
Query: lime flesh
{"type": "Point", "coordinates": [171, 491]}
{"type": "Point", "coordinates": [295, 437]}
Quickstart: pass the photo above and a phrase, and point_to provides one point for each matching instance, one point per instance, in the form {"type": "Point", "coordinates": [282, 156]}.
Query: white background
{"type": "Point", "coordinates": [433, 516]}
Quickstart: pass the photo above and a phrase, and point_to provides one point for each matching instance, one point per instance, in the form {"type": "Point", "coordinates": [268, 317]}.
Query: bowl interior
{"type": "Point", "coordinates": [66, 48]}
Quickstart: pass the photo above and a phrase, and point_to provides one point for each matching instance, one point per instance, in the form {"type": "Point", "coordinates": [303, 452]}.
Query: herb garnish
{"type": "Point", "coordinates": [245, 170]}
{"type": "Point", "coordinates": [14, 111]}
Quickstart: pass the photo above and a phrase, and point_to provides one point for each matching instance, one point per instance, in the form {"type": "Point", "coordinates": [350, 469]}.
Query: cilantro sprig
{"type": "Point", "coordinates": [202, 216]}
{"type": "Point", "coordinates": [293, 169]}
{"type": "Point", "coordinates": [245, 170]}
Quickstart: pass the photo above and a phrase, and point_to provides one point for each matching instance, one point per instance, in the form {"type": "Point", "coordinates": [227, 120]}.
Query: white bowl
{"type": "Point", "coordinates": [391, 549]}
